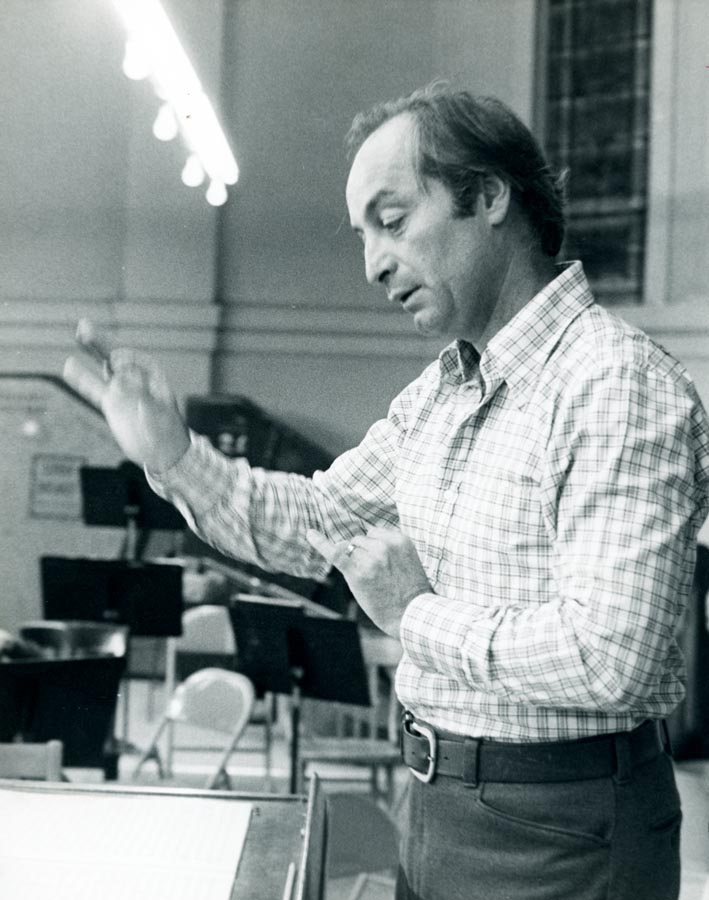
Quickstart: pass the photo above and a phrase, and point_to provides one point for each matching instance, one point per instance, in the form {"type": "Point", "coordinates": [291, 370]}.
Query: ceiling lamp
{"type": "Point", "coordinates": [154, 51]}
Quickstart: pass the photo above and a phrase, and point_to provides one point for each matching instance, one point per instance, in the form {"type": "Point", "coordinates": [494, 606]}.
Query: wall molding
{"type": "Point", "coordinates": [156, 324]}
{"type": "Point", "coordinates": [321, 331]}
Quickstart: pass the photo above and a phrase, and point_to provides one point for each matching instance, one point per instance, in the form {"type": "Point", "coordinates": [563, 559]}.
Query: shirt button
{"type": "Point", "coordinates": [449, 494]}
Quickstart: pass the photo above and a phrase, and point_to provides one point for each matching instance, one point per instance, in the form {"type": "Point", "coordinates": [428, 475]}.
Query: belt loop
{"type": "Point", "coordinates": [471, 756]}
{"type": "Point", "coordinates": [623, 760]}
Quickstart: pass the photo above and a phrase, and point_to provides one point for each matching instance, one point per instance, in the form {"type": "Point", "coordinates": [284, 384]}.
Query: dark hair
{"type": "Point", "coordinates": [460, 137]}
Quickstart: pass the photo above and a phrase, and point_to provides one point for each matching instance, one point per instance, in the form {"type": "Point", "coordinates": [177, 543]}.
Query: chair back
{"type": "Point", "coordinates": [38, 761]}
{"type": "Point", "coordinates": [207, 628]}
{"type": "Point", "coordinates": [215, 699]}
{"type": "Point", "coordinates": [207, 641]}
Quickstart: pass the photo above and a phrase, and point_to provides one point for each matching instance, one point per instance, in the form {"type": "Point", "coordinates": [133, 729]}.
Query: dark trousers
{"type": "Point", "coordinates": [614, 838]}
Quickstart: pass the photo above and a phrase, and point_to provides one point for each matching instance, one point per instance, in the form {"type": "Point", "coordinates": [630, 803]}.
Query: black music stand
{"type": "Point", "coordinates": [147, 597]}
{"type": "Point", "coordinates": [284, 651]}
{"type": "Point", "coordinates": [122, 498]}
{"type": "Point", "coordinates": [71, 700]}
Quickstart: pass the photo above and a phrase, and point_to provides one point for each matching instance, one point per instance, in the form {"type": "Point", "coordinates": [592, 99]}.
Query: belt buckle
{"type": "Point", "coordinates": [432, 757]}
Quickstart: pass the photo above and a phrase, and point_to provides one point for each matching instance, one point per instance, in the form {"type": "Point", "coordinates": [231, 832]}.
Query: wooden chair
{"type": "Point", "coordinates": [212, 699]}
{"type": "Point", "coordinates": [37, 761]}
{"type": "Point", "coordinates": [333, 757]}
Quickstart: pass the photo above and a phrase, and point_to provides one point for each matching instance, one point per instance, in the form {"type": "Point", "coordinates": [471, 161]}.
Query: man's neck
{"type": "Point", "coordinates": [523, 278]}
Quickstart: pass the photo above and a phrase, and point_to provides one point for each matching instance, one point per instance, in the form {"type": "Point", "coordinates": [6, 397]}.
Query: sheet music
{"type": "Point", "coordinates": [117, 846]}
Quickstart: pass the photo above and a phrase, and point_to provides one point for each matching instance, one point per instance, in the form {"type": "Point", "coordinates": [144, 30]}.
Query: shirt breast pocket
{"type": "Point", "coordinates": [508, 508]}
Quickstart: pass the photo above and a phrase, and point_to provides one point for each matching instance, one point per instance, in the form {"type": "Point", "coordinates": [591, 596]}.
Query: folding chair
{"type": "Point", "coordinates": [211, 699]}
{"type": "Point", "coordinates": [207, 640]}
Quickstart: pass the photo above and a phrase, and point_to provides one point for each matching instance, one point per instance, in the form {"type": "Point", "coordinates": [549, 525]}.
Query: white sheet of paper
{"type": "Point", "coordinates": [139, 846]}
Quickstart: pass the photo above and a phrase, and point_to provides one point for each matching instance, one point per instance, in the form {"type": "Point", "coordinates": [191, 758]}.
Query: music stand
{"type": "Point", "coordinates": [122, 498]}
{"type": "Point", "coordinates": [284, 651]}
{"type": "Point", "coordinates": [145, 596]}
{"type": "Point", "coordinates": [71, 700]}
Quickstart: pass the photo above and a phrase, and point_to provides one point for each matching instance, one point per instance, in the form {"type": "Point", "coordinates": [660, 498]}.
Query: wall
{"type": "Point", "coordinates": [94, 218]}
{"type": "Point", "coordinates": [302, 332]}
{"type": "Point", "coordinates": [676, 308]}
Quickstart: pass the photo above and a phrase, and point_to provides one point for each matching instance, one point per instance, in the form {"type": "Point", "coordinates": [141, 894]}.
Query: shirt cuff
{"type": "Point", "coordinates": [451, 637]}
{"type": "Point", "coordinates": [195, 483]}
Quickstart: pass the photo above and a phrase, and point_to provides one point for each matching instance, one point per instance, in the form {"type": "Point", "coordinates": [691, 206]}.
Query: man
{"type": "Point", "coordinates": [524, 520]}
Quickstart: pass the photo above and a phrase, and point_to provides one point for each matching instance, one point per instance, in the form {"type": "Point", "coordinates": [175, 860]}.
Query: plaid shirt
{"type": "Point", "coordinates": [553, 488]}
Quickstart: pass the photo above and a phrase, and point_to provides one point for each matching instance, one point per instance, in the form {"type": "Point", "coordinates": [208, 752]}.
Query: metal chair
{"type": "Point", "coordinates": [211, 699]}
{"type": "Point", "coordinates": [41, 761]}
{"type": "Point", "coordinates": [207, 640]}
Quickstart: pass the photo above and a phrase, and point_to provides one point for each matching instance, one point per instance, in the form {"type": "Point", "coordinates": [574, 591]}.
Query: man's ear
{"type": "Point", "coordinates": [496, 195]}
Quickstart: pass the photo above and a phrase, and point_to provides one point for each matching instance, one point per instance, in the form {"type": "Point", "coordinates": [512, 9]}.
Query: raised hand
{"type": "Point", "coordinates": [135, 398]}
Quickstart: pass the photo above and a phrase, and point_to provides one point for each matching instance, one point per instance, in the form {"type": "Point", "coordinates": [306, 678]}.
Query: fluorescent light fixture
{"type": "Point", "coordinates": [153, 50]}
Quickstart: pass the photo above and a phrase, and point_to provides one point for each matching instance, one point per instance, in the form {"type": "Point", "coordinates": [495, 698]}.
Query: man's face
{"type": "Point", "coordinates": [438, 265]}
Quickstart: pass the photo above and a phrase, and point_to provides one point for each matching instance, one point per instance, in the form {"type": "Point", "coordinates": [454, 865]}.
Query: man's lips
{"type": "Point", "coordinates": [404, 296]}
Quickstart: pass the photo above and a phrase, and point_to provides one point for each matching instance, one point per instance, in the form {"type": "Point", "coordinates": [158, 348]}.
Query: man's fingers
{"type": "Point", "coordinates": [96, 345]}
{"type": "Point", "coordinates": [324, 547]}
{"type": "Point", "coordinates": [84, 382]}
{"type": "Point", "coordinates": [335, 552]}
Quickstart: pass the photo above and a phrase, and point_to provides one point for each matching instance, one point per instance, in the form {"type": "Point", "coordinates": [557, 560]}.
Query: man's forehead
{"type": "Point", "coordinates": [384, 162]}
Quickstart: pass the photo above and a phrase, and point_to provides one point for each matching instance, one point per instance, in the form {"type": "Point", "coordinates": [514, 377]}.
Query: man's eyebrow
{"type": "Point", "coordinates": [383, 194]}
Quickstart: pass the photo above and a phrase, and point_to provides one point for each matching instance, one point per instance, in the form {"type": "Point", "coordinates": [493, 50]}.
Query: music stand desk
{"type": "Point", "coordinates": [285, 842]}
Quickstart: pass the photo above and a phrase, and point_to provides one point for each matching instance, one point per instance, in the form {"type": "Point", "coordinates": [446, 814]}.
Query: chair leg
{"type": "Point", "coordinates": [221, 775]}
{"type": "Point", "coordinates": [389, 782]}
{"type": "Point", "coordinates": [219, 780]}
{"type": "Point", "coordinates": [152, 752]}
{"type": "Point", "coordinates": [268, 740]}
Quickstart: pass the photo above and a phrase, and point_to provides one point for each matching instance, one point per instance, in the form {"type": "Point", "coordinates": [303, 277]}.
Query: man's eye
{"type": "Point", "coordinates": [393, 224]}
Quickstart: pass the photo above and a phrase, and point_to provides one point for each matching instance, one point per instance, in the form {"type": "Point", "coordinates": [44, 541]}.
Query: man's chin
{"type": "Point", "coordinates": [427, 326]}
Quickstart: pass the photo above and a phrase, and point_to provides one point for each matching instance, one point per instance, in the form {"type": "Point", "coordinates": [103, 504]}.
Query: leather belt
{"type": "Point", "coordinates": [473, 760]}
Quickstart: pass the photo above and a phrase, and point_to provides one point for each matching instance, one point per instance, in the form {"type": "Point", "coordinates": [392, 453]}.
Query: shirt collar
{"type": "Point", "coordinates": [518, 351]}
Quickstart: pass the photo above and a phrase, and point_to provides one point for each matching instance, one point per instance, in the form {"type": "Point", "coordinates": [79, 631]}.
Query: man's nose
{"type": "Point", "coordinates": [378, 262]}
